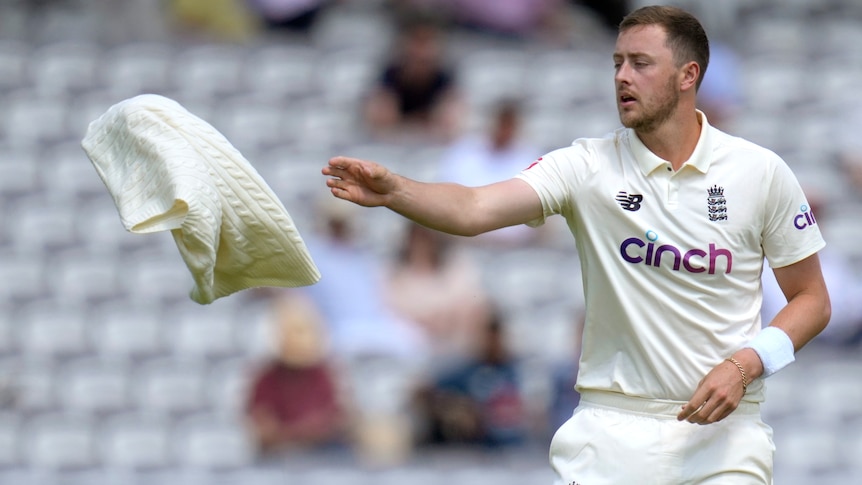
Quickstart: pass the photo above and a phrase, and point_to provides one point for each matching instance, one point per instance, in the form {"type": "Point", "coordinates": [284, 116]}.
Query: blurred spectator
{"type": "Point", "coordinates": [225, 19]}
{"type": "Point", "coordinates": [350, 294]}
{"type": "Point", "coordinates": [295, 401]}
{"type": "Point", "coordinates": [720, 96]}
{"type": "Point", "coordinates": [497, 155]}
{"type": "Point", "coordinates": [416, 95]}
{"type": "Point", "coordinates": [850, 165]}
{"type": "Point", "coordinates": [844, 283]}
{"type": "Point", "coordinates": [518, 19]}
{"type": "Point", "coordinates": [848, 153]}
{"type": "Point", "coordinates": [610, 12]}
{"type": "Point", "coordinates": [479, 401]}
{"type": "Point", "coordinates": [547, 21]}
{"type": "Point", "coordinates": [440, 289]}
{"type": "Point", "coordinates": [291, 15]}
{"type": "Point", "coordinates": [380, 351]}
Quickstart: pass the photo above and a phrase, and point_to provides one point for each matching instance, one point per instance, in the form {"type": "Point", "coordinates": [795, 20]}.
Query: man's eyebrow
{"type": "Point", "coordinates": [631, 55]}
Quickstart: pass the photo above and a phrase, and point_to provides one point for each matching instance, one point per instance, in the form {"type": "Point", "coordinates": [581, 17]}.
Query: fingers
{"type": "Point", "coordinates": [337, 166]}
{"type": "Point", "coordinates": [708, 411]}
{"type": "Point", "coordinates": [690, 410]}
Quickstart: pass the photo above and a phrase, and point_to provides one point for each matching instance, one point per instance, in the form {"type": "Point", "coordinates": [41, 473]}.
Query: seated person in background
{"type": "Point", "coordinates": [518, 19]}
{"type": "Point", "coordinates": [290, 15]}
{"type": "Point", "coordinates": [480, 401]}
{"type": "Point", "coordinates": [496, 155]}
{"type": "Point", "coordinates": [610, 12]}
{"type": "Point", "coordinates": [416, 95]}
{"type": "Point", "coordinates": [295, 400]}
{"type": "Point", "coordinates": [350, 296]}
{"type": "Point", "coordinates": [440, 289]}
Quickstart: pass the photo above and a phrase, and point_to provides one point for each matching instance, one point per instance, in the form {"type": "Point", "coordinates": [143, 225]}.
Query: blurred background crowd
{"type": "Point", "coordinates": [418, 358]}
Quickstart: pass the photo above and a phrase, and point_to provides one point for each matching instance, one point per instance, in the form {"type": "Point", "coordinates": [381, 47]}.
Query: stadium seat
{"type": "Point", "coordinates": [253, 330]}
{"type": "Point", "coordinates": [43, 224]}
{"type": "Point", "coordinates": [280, 72]}
{"type": "Point", "coordinates": [562, 79]}
{"type": "Point", "coordinates": [66, 168]}
{"type": "Point", "coordinates": [398, 476]}
{"type": "Point", "coordinates": [137, 67]}
{"type": "Point", "coordinates": [344, 76]}
{"type": "Point", "coordinates": [487, 75]}
{"type": "Point", "coordinates": [169, 385]}
{"type": "Point", "coordinates": [22, 279]}
{"type": "Point", "coordinates": [250, 124]}
{"type": "Point", "coordinates": [136, 441]}
{"type": "Point", "coordinates": [59, 441]}
{"type": "Point", "coordinates": [762, 76]}
{"type": "Point", "coordinates": [228, 383]}
{"type": "Point", "coordinates": [28, 476]}
{"type": "Point", "coordinates": [293, 173]}
{"type": "Point", "coordinates": [125, 330]}
{"type": "Point", "coordinates": [259, 475]}
{"type": "Point", "coordinates": [29, 384]}
{"type": "Point", "coordinates": [192, 330]}
{"type": "Point", "coordinates": [82, 278]}
{"type": "Point", "coordinates": [208, 71]}
{"type": "Point", "coordinates": [94, 385]}
{"type": "Point", "coordinates": [326, 122]}
{"type": "Point", "coordinates": [212, 442]}
{"type": "Point", "coordinates": [19, 171]}
{"type": "Point", "coordinates": [838, 398]}
{"type": "Point", "coordinates": [159, 277]}
{"type": "Point", "coordinates": [14, 56]}
{"type": "Point", "coordinates": [51, 330]}
{"type": "Point", "coordinates": [10, 437]}
{"type": "Point", "coordinates": [30, 119]}
{"type": "Point", "coordinates": [65, 68]}
{"type": "Point", "coordinates": [808, 449]}
{"type": "Point", "coordinates": [327, 476]}
{"type": "Point", "coordinates": [351, 29]}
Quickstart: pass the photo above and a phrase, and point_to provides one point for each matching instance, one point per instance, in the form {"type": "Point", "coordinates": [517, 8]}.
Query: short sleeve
{"type": "Point", "coordinates": [556, 177]}
{"type": "Point", "coordinates": [790, 232]}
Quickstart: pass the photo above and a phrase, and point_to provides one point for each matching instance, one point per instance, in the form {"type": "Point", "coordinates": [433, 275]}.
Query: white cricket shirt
{"type": "Point", "coordinates": [671, 261]}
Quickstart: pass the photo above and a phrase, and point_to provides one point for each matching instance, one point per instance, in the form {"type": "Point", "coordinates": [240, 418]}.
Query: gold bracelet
{"type": "Point", "coordinates": [741, 372]}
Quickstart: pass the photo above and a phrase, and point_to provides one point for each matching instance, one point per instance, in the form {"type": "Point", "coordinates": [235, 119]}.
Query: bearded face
{"type": "Point", "coordinates": [649, 111]}
{"type": "Point", "coordinates": [646, 79]}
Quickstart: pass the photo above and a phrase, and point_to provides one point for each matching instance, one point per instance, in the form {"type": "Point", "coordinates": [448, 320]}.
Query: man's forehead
{"type": "Point", "coordinates": [642, 39]}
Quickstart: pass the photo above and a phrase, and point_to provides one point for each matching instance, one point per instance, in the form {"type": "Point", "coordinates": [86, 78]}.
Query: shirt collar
{"type": "Point", "coordinates": [700, 159]}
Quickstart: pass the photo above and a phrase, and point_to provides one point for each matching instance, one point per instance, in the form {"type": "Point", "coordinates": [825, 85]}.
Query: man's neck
{"type": "Point", "coordinates": [675, 139]}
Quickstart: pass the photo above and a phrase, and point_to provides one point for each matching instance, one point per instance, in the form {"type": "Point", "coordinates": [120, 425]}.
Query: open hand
{"type": "Point", "coordinates": [360, 181]}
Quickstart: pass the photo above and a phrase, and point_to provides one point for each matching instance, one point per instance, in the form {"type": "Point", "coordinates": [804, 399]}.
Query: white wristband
{"type": "Point", "coordinates": [774, 348]}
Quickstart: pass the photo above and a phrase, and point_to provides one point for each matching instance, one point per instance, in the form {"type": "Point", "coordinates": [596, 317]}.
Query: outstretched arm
{"type": "Point", "coordinates": [446, 207]}
{"type": "Point", "coordinates": [805, 315]}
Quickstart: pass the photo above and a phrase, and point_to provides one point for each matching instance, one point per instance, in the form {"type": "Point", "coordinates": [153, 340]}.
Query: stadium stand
{"type": "Point", "coordinates": [109, 374]}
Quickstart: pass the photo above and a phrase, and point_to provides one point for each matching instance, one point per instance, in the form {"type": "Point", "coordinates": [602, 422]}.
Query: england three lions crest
{"type": "Point", "coordinates": [716, 204]}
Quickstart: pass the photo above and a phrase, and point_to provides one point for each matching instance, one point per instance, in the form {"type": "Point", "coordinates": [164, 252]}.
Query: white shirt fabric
{"type": "Point", "coordinates": [671, 270]}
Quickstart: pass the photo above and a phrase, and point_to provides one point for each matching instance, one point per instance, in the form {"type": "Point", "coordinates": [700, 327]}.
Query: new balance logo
{"type": "Point", "coordinates": [629, 202]}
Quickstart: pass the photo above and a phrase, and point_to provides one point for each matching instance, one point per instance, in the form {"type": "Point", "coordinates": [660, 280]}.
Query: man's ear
{"type": "Point", "coordinates": [689, 75]}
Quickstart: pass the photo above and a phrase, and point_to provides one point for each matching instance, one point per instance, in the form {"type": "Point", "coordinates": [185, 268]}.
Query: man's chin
{"type": "Point", "coordinates": [628, 121]}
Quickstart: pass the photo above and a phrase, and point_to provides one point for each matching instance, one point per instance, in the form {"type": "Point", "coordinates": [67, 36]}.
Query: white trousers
{"type": "Point", "coordinates": [613, 439]}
